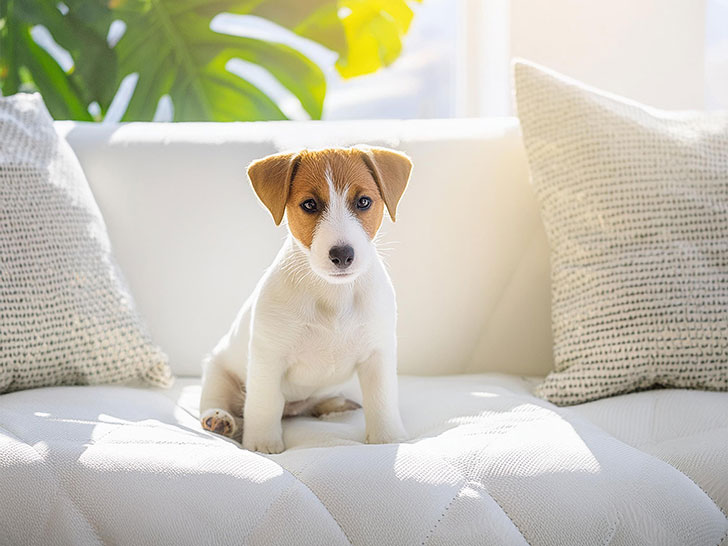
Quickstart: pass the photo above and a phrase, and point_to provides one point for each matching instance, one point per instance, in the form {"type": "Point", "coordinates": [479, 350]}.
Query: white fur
{"type": "Point", "coordinates": [304, 332]}
{"type": "Point", "coordinates": [339, 226]}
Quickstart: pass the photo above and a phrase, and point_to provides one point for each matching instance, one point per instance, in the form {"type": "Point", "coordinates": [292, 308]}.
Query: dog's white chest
{"type": "Point", "coordinates": [326, 353]}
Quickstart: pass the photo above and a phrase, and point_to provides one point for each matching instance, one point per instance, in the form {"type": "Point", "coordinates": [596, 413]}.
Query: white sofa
{"type": "Point", "coordinates": [487, 462]}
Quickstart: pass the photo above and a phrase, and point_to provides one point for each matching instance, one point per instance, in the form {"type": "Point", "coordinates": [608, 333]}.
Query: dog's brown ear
{"type": "Point", "coordinates": [391, 171]}
{"type": "Point", "coordinates": [271, 178]}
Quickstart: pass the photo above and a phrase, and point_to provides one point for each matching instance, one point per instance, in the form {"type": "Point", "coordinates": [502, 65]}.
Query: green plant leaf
{"type": "Point", "coordinates": [227, 98]}
{"type": "Point", "coordinates": [317, 20]}
{"type": "Point", "coordinates": [25, 66]}
{"type": "Point", "coordinates": [9, 61]}
{"type": "Point", "coordinates": [82, 32]}
{"type": "Point", "coordinates": [189, 63]}
{"type": "Point", "coordinates": [170, 46]}
{"type": "Point", "coordinates": [374, 31]}
{"type": "Point", "coordinates": [367, 34]}
{"type": "Point", "coordinates": [292, 69]}
{"type": "Point", "coordinates": [61, 97]}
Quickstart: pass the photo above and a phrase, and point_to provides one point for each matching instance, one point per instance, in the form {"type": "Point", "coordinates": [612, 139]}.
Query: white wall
{"type": "Point", "coordinates": [652, 51]}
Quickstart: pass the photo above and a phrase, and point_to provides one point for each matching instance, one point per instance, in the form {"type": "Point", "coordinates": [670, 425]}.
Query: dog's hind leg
{"type": "Point", "coordinates": [222, 400]}
{"type": "Point", "coordinates": [336, 404]}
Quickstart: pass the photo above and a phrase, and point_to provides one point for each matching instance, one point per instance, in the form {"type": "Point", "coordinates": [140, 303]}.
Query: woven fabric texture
{"type": "Point", "coordinates": [66, 316]}
{"type": "Point", "coordinates": [635, 205]}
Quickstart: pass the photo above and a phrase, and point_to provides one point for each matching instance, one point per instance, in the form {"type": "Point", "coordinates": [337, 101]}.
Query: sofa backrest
{"type": "Point", "coordinates": [467, 255]}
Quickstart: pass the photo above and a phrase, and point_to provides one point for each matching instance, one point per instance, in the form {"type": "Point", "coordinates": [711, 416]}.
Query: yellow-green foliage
{"type": "Point", "coordinates": [171, 47]}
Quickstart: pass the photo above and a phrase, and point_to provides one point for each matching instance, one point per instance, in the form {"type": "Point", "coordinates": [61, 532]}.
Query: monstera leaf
{"type": "Point", "coordinates": [170, 46]}
{"type": "Point", "coordinates": [367, 34]}
{"type": "Point", "coordinates": [24, 65]}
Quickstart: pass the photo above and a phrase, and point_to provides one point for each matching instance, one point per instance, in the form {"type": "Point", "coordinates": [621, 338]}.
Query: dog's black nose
{"type": "Point", "coordinates": [341, 256]}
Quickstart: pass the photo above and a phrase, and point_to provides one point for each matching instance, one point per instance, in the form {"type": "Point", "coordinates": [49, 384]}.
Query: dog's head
{"type": "Point", "coordinates": [334, 201]}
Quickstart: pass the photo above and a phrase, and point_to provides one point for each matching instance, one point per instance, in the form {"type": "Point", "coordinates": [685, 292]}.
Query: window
{"type": "Point", "coordinates": [716, 55]}
{"type": "Point", "coordinates": [454, 63]}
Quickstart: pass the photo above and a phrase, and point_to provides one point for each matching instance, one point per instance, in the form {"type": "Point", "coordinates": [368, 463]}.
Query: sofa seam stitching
{"type": "Point", "coordinates": [715, 503]}
{"type": "Point", "coordinates": [571, 414]}
{"type": "Point", "coordinates": [431, 532]}
{"type": "Point", "coordinates": [722, 540]}
{"type": "Point", "coordinates": [482, 484]}
{"type": "Point", "coordinates": [268, 509]}
{"type": "Point", "coordinates": [323, 505]}
{"type": "Point", "coordinates": [54, 472]}
{"type": "Point", "coordinates": [656, 443]}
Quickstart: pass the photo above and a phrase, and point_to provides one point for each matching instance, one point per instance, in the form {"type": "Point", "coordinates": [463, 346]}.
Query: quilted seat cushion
{"type": "Point", "coordinates": [488, 463]}
{"type": "Point", "coordinates": [688, 429]}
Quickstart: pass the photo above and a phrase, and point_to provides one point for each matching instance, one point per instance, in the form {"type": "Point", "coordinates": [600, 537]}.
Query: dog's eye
{"type": "Point", "coordinates": [363, 203]}
{"type": "Point", "coordinates": [309, 205]}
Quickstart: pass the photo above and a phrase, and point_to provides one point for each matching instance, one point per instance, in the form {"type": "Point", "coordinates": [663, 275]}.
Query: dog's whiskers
{"type": "Point", "coordinates": [383, 249]}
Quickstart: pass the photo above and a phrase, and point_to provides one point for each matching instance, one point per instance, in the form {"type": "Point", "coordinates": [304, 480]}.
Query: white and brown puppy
{"type": "Point", "coordinates": [323, 311]}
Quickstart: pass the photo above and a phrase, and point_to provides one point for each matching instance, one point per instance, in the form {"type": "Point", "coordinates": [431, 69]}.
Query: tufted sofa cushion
{"type": "Point", "coordinates": [487, 463]}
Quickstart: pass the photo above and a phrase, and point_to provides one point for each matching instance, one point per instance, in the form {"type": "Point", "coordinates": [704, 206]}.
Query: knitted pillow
{"type": "Point", "coordinates": [66, 316]}
{"type": "Point", "coordinates": [635, 205]}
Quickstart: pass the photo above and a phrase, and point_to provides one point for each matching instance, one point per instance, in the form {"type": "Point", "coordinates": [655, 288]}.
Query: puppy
{"type": "Point", "coordinates": [323, 311]}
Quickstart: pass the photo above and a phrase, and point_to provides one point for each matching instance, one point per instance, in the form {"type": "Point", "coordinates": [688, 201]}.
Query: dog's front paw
{"type": "Point", "coordinates": [392, 434]}
{"type": "Point", "coordinates": [219, 421]}
{"type": "Point", "coordinates": [263, 443]}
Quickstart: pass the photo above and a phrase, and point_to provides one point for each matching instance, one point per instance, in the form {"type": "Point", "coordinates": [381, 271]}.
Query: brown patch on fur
{"type": "Point", "coordinates": [271, 180]}
{"type": "Point", "coordinates": [347, 170]}
{"type": "Point", "coordinates": [284, 181]}
{"type": "Point", "coordinates": [391, 171]}
{"type": "Point", "coordinates": [370, 219]}
{"type": "Point", "coordinates": [309, 183]}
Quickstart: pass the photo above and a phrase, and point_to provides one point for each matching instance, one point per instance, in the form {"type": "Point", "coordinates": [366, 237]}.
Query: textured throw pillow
{"type": "Point", "coordinates": [66, 316]}
{"type": "Point", "coordinates": [635, 205]}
